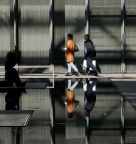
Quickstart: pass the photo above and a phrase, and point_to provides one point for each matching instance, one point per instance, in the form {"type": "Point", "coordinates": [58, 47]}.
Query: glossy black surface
{"type": "Point", "coordinates": [52, 123]}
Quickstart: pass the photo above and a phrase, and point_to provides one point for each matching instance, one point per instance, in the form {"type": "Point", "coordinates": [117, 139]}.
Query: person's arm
{"type": "Point", "coordinates": [88, 48]}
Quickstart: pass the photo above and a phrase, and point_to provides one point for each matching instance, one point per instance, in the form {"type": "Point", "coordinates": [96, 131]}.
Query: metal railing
{"type": "Point", "coordinates": [49, 75]}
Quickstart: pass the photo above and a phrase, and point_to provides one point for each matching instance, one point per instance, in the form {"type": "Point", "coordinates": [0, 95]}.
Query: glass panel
{"type": "Point", "coordinates": [6, 29]}
{"type": "Point", "coordinates": [130, 44]}
{"type": "Point", "coordinates": [130, 7]}
{"type": "Point", "coordinates": [105, 33]}
{"type": "Point", "coordinates": [34, 32]}
{"type": "Point", "coordinates": [105, 7]}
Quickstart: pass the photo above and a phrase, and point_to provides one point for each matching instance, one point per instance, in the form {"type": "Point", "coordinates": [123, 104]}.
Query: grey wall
{"type": "Point", "coordinates": [34, 32]}
{"type": "Point", "coordinates": [6, 29]}
{"type": "Point", "coordinates": [69, 17]}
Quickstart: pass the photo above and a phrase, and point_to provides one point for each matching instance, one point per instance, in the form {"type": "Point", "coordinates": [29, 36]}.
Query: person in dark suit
{"type": "Point", "coordinates": [89, 53]}
{"type": "Point", "coordinates": [89, 96]}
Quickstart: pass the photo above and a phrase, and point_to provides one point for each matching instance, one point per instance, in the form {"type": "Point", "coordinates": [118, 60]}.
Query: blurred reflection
{"type": "Point", "coordinates": [12, 95]}
{"type": "Point", "coordinates": [89, 95]}
{"type": "Point", "coordinates": [70, 98]}
{"type": "Point", "coordinates": [12, 98]}
{"type": "Point", "coordinates": [89, 103]}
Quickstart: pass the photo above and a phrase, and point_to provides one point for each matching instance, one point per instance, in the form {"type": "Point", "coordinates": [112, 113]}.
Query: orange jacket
{"type": "Point", "coordinates": [70, 98]}
{"type": "Point", "coordinates": [70, 51]}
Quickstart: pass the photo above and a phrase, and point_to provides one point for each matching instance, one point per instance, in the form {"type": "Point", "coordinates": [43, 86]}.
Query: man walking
{"type": "Point", "coordinates": [89, 53]}
{"type": "Point", "coordinates": [70, 55]}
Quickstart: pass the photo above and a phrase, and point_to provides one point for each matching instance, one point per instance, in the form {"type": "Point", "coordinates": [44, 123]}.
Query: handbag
{"type": "Point", "coordinates": [76, 49]}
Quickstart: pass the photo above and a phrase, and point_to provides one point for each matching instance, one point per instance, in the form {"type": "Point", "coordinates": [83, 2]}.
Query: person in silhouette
{"type": "Point", "coordinates": [11, 74]}
{"type": "Point", "coordinates": [70, 98]}
{"type": "Point", "coordinates": [89, 96]}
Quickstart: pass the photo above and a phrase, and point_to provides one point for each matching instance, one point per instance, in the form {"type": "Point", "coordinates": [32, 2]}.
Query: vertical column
{"type": "Point", "coordinates": [51, 62]}
{"type": "Point", "coordinates": [87, 31]}
{"type": "Point", "coordinates": [15, 9]}
{"type": "Point", "coordinates": [87, 130]}
{"type": "Point", "coordinates": [52, 117]}
{"type": "Point", "coordinates": [51, 51]}
{"type": "Point", "coordinates": [15, 33]}
{"type": "Point", "coordinates": [51, 19]}
{"type": "Point", "coordinates": [87, 16]}
{"type": "Point", "coordinates": [122, 120]}
{"type": "Point", "coordinates": [123, 36]}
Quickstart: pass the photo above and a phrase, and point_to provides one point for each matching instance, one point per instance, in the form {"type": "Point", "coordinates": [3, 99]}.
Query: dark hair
{"type": "Point", "coordinates": [70, 36]}
{"type": "Point", "coordinates": [87, 35]}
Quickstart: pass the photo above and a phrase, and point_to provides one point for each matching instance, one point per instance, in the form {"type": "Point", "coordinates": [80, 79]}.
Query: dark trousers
{"type": "Point", "coordinates": [90, 65]}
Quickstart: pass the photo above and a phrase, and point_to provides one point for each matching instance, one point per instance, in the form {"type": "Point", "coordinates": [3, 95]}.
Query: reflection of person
{"type": "Point", "coordinates": [11, 75]}
{"type": "Point", "coordinates": [89, 96]}
{"type": "Point", "coordinates": [89, 53]}
{"type": "Point", "coordinates": [70, 55]}
{"type": "Point", "coordinates": [70, 98]}
{"type": "Point", "coordinates": [12, 96]}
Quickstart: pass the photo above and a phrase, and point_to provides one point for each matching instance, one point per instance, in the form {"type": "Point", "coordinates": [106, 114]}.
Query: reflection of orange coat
{"type": "Point", "coordinates": [70, 51]}
{"type": "Point", "coordinates": [70, 98]}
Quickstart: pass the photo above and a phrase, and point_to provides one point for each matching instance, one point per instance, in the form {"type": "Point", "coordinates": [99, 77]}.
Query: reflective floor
{"type": "Point", "coordinates": [76, 111]}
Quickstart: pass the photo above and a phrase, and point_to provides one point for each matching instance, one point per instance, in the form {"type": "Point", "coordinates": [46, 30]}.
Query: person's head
{"type": "Point", "coordinates": [86, 113]}
{"type": "Point", "coordinates": [86, 37]}
{"type": "Point", "coordinates": [69, 36]}
{"type": "Point", "coordinates": [70, 115]}
{"type": "Point", "coordinates": [11, 59]}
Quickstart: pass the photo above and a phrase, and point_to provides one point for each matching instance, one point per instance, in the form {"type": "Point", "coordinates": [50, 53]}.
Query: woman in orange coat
{"type": "Point", "coordinates": [70, 55]}
{"type": "Point", "coordinates": [70, 98]}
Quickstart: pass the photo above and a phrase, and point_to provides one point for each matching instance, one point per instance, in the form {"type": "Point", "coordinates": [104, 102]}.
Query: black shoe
{"type": "Point", "coordinates": [94, 74]}
{"type": "Point", "coordinates": [77, 73]}
{"type": "Point", "coordinates": [68, 74]}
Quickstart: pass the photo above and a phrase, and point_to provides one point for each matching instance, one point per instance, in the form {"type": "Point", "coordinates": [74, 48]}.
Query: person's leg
{"type": "Point", "coordinates": [90, 65]}
{"type": "Point", "coordinates": [69, 83]}
{"type": "Point", "coordinates": [84, 85]}
{"type": "Point", "coordinates": [69, 68]}
{"type": "Point", "coordinates": [73, 66]}
{"type": "Point", "coordinates": [73, 86]}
